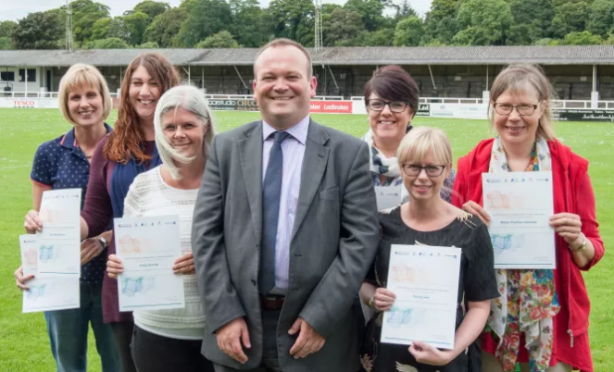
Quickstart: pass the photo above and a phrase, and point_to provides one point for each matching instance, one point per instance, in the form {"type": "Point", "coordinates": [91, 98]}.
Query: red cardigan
{"type": "Point", "coordinates": [573, 193]}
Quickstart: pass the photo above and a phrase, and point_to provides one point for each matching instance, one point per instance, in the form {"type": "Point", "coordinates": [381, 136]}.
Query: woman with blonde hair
{"type": "Point", "coordinates": [170, 340]}
{"type": "Point", "coordinates": [541, 318]}
{"type": "Point", "coordinates": [62, 163]}
{"type": "Point", "coordinates": [128, 151]}
{"type": "Point", "coordinates": [425, 158]}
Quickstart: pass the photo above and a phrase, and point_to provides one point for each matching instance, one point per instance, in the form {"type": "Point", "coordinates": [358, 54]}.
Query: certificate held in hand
{"type": "Point", "coordinates": [148, 248]}
{"type": "Point", "coordinates": [520, 205]}
{"type": "Point", "coordinates": [425, 282]}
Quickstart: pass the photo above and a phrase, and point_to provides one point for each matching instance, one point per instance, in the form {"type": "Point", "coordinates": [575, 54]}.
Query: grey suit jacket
{"type": "Point", "coordinates": [333, 243]}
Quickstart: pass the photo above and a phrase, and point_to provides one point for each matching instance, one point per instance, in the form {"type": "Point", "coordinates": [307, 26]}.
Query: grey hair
{"type": "Point", "coordinates": [190, 99]}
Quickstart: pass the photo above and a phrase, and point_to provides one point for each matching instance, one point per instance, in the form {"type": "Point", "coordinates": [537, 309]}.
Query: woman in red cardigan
{"type": "Point", "coordinates": [541, 318]}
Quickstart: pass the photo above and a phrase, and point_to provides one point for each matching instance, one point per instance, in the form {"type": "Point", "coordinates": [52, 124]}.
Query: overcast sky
{"type": "Point", "coordinates": [15, 10]}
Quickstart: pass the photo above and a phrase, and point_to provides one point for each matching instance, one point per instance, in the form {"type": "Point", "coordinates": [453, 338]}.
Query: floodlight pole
{"type": "Point", "coordinates": [318, 25]}
{"type": "Point", "coordinates": [69, 41]}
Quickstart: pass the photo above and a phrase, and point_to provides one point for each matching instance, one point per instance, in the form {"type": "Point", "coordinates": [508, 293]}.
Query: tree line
{"type": "Point", "coordinates": [243, 23]}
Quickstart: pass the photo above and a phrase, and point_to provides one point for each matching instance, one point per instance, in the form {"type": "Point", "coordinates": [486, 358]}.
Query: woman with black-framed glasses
{"type": "Point", "coordinates": [425, 155]}
{"type": "Point", "coordinates": [391, 99]}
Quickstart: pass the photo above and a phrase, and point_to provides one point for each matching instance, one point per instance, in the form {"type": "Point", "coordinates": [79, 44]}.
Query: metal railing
{"type": "Point", "coordinates": [560, 104]}
{"type": "Point", "coordinates": [30, 94]}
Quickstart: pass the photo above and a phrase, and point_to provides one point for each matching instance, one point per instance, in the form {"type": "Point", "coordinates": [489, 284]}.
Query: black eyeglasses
{"type": "Point", "coordinates": [378, 105]}
{"type": "Point", "coordinates": [413, 170]}
{"type": "Point", "coordinates": [506, 109]}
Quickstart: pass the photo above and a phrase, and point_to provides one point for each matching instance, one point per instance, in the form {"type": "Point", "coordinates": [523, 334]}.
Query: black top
{"type": "Point", "coordinates": [477, 283]}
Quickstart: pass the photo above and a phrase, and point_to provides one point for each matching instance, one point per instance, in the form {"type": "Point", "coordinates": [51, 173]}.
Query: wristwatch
{"type": "Point", "coordinates": [103, 241]}
{"type": "Point", "coordinates": [581, 247]}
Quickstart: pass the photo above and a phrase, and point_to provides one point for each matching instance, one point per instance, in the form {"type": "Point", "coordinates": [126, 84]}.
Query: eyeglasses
{"type": "Point", "coordinates": [378, 105]}
{"type": "Point", "coordinates": [506, 109]}
{"type": "Point", "coordinates": [413, 170]}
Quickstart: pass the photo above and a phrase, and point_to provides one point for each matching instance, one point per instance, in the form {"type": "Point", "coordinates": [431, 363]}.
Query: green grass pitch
{"type": "Point", "coordinates": [24, 345]}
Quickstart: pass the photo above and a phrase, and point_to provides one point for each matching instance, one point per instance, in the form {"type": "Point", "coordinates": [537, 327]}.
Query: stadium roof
{"type": "Point", "coordinates": [489, 55]}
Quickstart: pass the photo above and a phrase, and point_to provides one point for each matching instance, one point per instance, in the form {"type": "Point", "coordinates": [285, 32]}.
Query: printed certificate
{"type": "Point", "coordinates": [29, 258]}
{"type": "Point", "coordinates": [45, 294]}
{"type": "Point", "coordinates": [520, 205]}
{"type": "Point", "coordinates": [425, 282]}
{"type": "Point", "coordinates": [59, 243]}
{"type": "Point", "coordinates": [148, 247]}
{"type": "Point", "coordinates": [388, 196]}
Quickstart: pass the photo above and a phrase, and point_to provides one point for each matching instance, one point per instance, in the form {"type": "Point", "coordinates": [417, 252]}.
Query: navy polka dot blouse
{"type": "Point", "coordinates": [61, 164]}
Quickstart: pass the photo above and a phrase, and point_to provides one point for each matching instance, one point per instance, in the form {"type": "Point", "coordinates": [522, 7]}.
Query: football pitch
{"type": "Point", "coordinates": [24, 344]}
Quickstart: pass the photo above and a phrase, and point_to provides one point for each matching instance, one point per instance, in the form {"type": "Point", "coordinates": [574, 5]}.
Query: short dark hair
{"type": "Point", "coordinates": [282, 42]}
{"type": "Point", "coordinates": [395, 84]}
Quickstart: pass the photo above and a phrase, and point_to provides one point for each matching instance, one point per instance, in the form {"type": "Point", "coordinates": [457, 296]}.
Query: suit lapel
{"type": "Point", "coordinates": [250, 150]}
{"type": "Point", "coordinates": [314, 165]}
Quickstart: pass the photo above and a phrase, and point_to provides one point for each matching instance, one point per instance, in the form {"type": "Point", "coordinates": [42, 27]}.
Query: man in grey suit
{"type": "Point", "coordinates": [285, 228]}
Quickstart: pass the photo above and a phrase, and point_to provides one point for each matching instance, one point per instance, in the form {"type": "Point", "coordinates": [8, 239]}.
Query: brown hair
{"type": "Point", "coordinates": [81, 75]}
{"type": "Point", "coordinates": [282, 42]}
{"type": "Point", "coordinates": [515, 78]}
{"type": "Point", "coordinates": [395, 84]}
{"type": "Point", "coordinates": [126, 139]}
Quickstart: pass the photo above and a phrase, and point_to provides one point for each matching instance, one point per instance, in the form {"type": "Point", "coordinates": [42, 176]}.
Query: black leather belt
{"type": "Point", "coordinates": [272, 302]}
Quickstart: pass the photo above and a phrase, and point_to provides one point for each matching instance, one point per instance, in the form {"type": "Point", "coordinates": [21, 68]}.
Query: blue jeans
{"type": "Point", "coordinates": [68, 333]}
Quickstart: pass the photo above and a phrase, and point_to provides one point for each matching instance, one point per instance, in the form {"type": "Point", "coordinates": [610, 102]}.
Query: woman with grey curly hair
{"type": "Point", "coordinates": [170, 340]}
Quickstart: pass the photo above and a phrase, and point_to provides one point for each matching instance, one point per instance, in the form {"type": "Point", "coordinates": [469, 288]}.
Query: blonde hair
{"type": "Point", "coordinates": [82, 75]}
{"type": "Point", "coordinates": [190, 99]}
{"type": "Point", "coordinates": [515, 78]}
{"type": "Point", "coordinates": [420, 141]}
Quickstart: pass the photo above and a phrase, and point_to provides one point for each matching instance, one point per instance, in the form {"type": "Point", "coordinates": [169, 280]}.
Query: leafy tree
{"type": "Point", "coordinates": [610, 40]}
{"type": "Point", "coordinates": [6, 28]}
{"type": "Point", "coordinates": [5, 43]}
{"type": "Point", "coordinates": [409, 32]}
{"type": "Point", "coordinates": [601, 17]}
{"type": "Point", "coordinates": [342, 27]}
{"type": "Point", "coordinates": [165, 28]}
{"type": "Point", "coordinates": [40, 30]}
{"type": "Point", "coordinates": [570, 16]}
{"type": "Point", "coordinates": [520, 34]}
{"type": "Point", "coordinates": [136, 24]}
{"type": "Point", "coordinates": [483, 22]}
{"type": "Point", "coordinates": [370, 11]}
{"type": "Point", "coordinates": [151, 8]}
{"type": "Point", "coordinates": [544, 42]}
{"type": "Point", "coordinates": [100, 28]}
{"type": "Point", "coordinates": [582, 38]}
{"type": "Point", "coordinates": [403, 10]}
{"type": "Point", "coordinates": [85, 14]}
{"type": "Point", "coordinates": [119, 29]}
{"type": "Point", "coordinates": [532, 20]}
{"type": "Point", "coordinates": [108, 43]}
{"type": "Point", "coordinates": [205, 18]}
{"type": "Point", "coordinates": [248, 23]}
{"type": "Point", "coordinates": [293, 19]}
{"type": "Point", "coordinates": [382, 37]}
{"type": "Point", "coordinates": [440, 22]}
{"type": "Point", "coordinates": [149, 45]}
{"type": "Point", "coordinates": [222, 39]}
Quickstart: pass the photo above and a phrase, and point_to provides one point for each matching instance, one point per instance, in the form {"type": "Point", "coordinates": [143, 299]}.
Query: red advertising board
{"type": "Point", "coordinates": [332, 107]}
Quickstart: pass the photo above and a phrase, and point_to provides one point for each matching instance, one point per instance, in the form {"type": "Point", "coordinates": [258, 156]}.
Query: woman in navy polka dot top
{"type": "Point", "coordinates": [63, 163]}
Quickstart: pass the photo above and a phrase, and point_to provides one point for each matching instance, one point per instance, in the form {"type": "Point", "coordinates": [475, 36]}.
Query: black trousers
{"type": "Point", "coordinates": [154, 353]}
{"type": "Point", "coordinates": [123, 336]}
